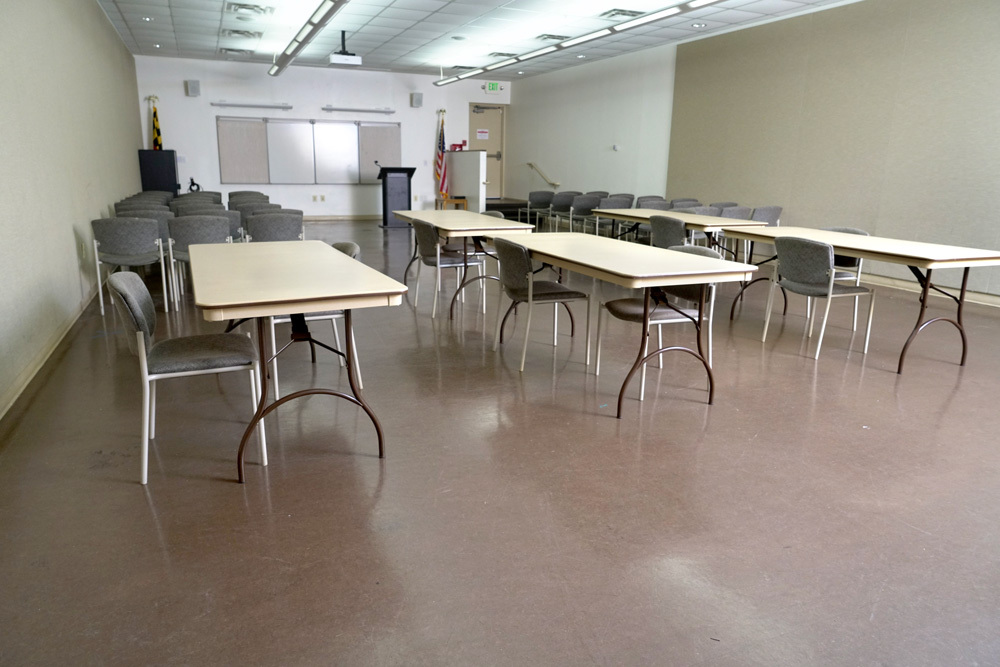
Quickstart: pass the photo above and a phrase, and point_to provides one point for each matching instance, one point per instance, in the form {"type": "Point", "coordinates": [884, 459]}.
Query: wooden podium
{"type": "Point", "coordinates": [395, 194]}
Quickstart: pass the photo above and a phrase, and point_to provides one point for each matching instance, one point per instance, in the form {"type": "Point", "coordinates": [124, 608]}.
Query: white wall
{"type": "Point", "coordinates": [68, 146]}
{"type": "Point", "coordinates": [188, 123]}
{"type": "Point", "coordinates": [567, 122]}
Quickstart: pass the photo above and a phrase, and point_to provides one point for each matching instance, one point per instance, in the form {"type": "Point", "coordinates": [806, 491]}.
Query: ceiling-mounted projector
{"type": "Point", "coordinates": [342, 57]}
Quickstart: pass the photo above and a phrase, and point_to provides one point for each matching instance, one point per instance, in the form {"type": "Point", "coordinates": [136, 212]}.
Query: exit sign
{"type": "Point", "coordinates": [492, 88]}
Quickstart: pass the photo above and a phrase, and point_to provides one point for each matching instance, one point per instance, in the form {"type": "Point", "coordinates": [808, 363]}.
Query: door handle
{"type": "Point", "coordinates": [496, 155]}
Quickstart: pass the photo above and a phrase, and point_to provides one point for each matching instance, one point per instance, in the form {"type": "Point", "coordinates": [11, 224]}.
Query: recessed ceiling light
{"type": "Point", "coordinates": [520, 72]}
{"type": "Point", "coordinates": [156, 45]}
{"type": "Point", "coordinates": [458, 38]}
{"type": "Point", "coordinates": [581, 56]}
{"type": "Point", "coordinates": [698, 25]}
{"type": "Point", "coordinates": [147, 19]}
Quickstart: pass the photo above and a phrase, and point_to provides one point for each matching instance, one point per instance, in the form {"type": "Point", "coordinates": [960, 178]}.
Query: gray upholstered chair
{"type": "Point", "coordinates": [610, 202]}
{"type": "Point", "coordinates": [162, 217]}
{"type": "Point", "coordinates": [561, 202]}
{"type": "Point", "coordinates": [848, 269]}
{"type": "Point", "coordinates": [724, 204]}
{"type": "Point", "coordinates": [681, 308]}
{"type": "Point", "coordinates": [735, 213]}
{"type": "Point", "coordinates": [666, 232]}
{"type": "Point", "coordinates": [700, 210]}
{"type": "Point", "coordinates": [176, 357]}
{"type": "Point", "coordinates": [640, 202]}
{"type": "Point", "coordinates": [581, 209]}
{"type": "Point", "coordinates": [124, 242]}
{"type": "Point", "coordinates": [538, 205]}
{"type": "Point", "coordinates": [624, 195]}
{"type": "Point", "coordinates": [235, 230]}
{"type": "Point", "coordinates": [806, 267]}
{"type": "Point", "coordinates": [684, 202]}
{"type": "Point", "coordinates": [431, 253]}
{"type": "Point", "coordinates": [184, 232]}
{"type": "Point", "coordinates": [517, 279]}
{"type": "Point", "coordinates": [195, 198]}
{"type": "Point", "coordinates": [248, 209]}
{"type": "Point", "coordinates": [352, 250]}
{"type": "Point", "coordinates": [237, 196]}
{"type": "Point", "coordinates": [494, 214]}
{"type": "Point", "coordinates": [597, 193]}
{"type": "Point", "coordinates": [273, 226]}
{"type": "Point", "coordinates": [189, 207]}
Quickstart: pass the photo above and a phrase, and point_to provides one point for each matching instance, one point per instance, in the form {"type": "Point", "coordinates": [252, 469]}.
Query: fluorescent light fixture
{"type": "Point", "coordinates": [502, 63]}
{"type": "Point", "coordinates": [385, 110]}
{"type": "Point", "coordinates": [695, 4]}
{"type": "Point", "coordinates": [445, 82]}
{"type": "Point", "coordinates": [286, 107]}
{"type": "Point", "coordinates": [471, 72]}
{"type": "Point", "coordinates": [539, 52]}
{"type": "Point", "coordinates": [648, 18]}
{"type": "Point", "coordinates": [324, 13]}
{"type": "Point", "coordinates": [585, 38]}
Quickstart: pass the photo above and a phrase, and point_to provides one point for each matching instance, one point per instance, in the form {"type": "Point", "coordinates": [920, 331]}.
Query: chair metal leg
{"type": "Point", "coordinates": [822, 329]}
{"type": "Point", "coordinates": [871, 313]}
{"type": "Point", "coordinates": [254, 400]}
{"type": "Point", "coordinates": [144, 447]}
{"type": "Point", "coordinates": [527, 327]}
{"type": "Point", "coordinates": [767, 309]}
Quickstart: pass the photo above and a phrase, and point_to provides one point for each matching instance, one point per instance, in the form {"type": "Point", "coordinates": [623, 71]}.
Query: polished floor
{"type": "Point", "coordinates": [819, 513]}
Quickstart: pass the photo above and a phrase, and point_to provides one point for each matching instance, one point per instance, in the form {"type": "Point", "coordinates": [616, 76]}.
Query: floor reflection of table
{"type": "Point", "coordinates": [921, 258]}
{"type": "Point", "coordinates": [634, 266]}
{"type": "Point", "coordinates": [241, 280]}
{"type": "Point", "coordinates": [464, 224]}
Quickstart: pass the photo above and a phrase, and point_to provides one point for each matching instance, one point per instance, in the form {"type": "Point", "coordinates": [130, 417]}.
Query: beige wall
{"type": "Point", "coordinates": [70, 132]}
{"type": "Point", "coordinates": [883, 114]}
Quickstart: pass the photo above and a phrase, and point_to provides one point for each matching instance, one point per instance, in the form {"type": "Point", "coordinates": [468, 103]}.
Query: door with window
{"type": "Point", "coordinates": [486, 125]}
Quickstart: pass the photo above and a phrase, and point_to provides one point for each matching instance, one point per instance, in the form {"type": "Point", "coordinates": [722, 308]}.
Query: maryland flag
{"type": "Point", "coordinates": [157, 139]}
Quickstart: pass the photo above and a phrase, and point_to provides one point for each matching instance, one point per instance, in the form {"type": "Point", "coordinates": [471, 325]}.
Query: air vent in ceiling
{"type": "Point", "coordinates": [462, 67]}
{"type": "Point", "coordinates": [242, 34]}
{"type": "Point", "coordinates": [553, 38]}
{"type": "Point", "coordinates": [497, 54]}
{"type": "Point", "coordinates": [236, 52]}
{"type": "Point", "coordinates": [621, 14]}
{"type": "Point", "coordinates": [246, 11]}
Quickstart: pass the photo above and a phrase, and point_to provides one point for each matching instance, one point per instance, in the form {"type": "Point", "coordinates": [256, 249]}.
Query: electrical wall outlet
{"type": "Point", "coordinates": [322, 197]}
{"type": "Point", "coordinates": [314, 197]}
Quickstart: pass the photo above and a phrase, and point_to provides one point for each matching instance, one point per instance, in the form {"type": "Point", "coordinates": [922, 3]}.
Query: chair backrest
{"type": "Point", "coordinates": [640, 202]}
{"type": "Point", "coordinates": [198, 229]}
{"type": "Point", "coordinates": [724, 204]}
{"type": "Point", "coordinates": [597, 193]}
{"type": "Point", "coordinates": [690, 292]}
{"type": "Point", "coordinates": [701, 210]}
{"type": "Point", "coordinates": [561, 201]}
{"type": "Point", "coordinates": [293, 211]}
{"type": "Point", "coordinates": [769, 214]}
{"type": "Point", "coordinates": [494, 214]}
{"type": "Point", "coordinates": [684, 202]}
{"type": "Point", "coordinates": [615, 201]}
{"type": "Point", "coordinates": [804, 262]}
{"type": "Point", "coordinates": [737, 212]}
{"type": "Point", "coordinates": [349, 248]}
{"type": "Point", "coordinates": [656, 205]}
{"type": "Point", "coordinates": [195, 204]}
{"type": "Point", "coordinates": [252, 208]}
{"type": "Point", "coordinates": [124, 237]}
{"type": "Point", "coordinates": [515, 265]}
{"type": "Point", "coordinates": [843, 261]}
{"type": "Point", "coordinates": [212, 195]}
{"type": "Point", "coordinates": [233, 217]}
{"type": "Point", "coordinates": [427, 238]}
{"type": "Point", "coordinates": [236, 200]}
{"type": "Point", "coordinates": [624, 195]}
{"type": "Point", "coordinates": [540, 198]}
{"type": "Point", "coordinates": [274, 227]}
{"type": "Point", "coordinates": [134, 306]}
{"type": "Point", "coordinates": [585, 204]}
{"type": "Point", "coordinates": [666, 232]}
{"type": "Point", "coordinates": [161, 217]}
{"type": "Point", "coordinates": [140, 204]}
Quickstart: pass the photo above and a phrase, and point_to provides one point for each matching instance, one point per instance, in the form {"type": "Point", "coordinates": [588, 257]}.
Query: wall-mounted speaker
{"type": "Point", "coordinates": [416, 100]}
{"type": "Point", "coordinates": [192, 88]}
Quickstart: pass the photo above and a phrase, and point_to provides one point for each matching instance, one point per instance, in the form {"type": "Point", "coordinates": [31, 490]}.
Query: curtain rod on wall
{"type": "Point", "coordinates": [251, 106]}
{"type": "Point", "coordinates": [385, 110]}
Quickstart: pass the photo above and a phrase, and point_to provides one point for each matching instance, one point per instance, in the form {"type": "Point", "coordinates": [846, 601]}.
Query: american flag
{"type": "Point", "coordinates": [440, 166]}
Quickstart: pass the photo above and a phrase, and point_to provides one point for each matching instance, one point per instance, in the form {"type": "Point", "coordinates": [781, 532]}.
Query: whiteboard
{"type": "Point", "coordinates": [336, 152]}
{"type": "Point", "coordinates": [307, 152]}
{"type": "Point", "coordinates": [290, 155]}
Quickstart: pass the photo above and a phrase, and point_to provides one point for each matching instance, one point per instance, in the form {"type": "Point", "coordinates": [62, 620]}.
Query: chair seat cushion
{"type": "Point", "coordinates": [807, 289]}
{"type": "Point", "coordinates": [200, 353]}
{"type": "Point", "coordinates": [630, 310]}
{"type": "Point", "coordinates": [547, 290]}
{"type": "Point", "coordinates": [144, 259]}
